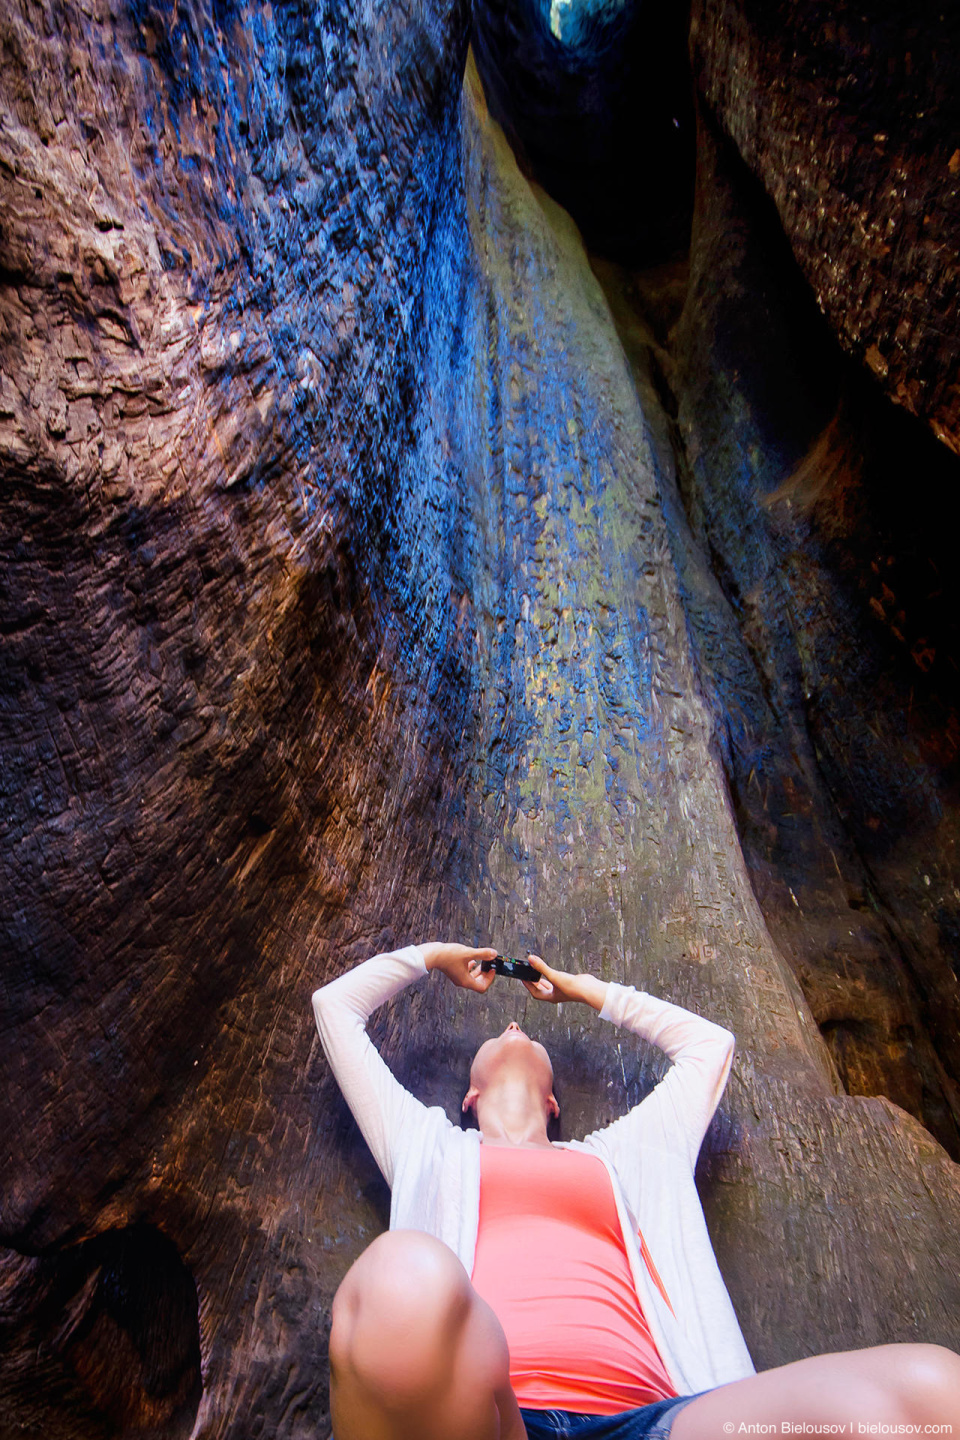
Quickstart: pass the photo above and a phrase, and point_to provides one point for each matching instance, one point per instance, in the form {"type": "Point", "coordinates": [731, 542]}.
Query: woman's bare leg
{"type": "Point", "coordinates": [905, 1384]}
{"type": "Point", "coordinates": [415, 1354]}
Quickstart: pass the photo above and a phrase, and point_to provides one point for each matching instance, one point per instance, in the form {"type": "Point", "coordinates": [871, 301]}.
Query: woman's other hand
{"type": "Point", "coordinates": [556, 986]}
{"type": "Point", "coordinates": [461, 964]}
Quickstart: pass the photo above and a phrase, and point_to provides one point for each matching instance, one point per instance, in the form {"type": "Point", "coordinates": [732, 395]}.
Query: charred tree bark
{"type": "Point", "coordinates": [371, 570]}
{"type": "Point", "coordinates": [848, 114]}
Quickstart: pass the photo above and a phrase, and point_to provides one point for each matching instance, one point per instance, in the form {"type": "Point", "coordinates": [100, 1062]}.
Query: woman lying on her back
{"type": "Point", "coordinates": [536, 1289]}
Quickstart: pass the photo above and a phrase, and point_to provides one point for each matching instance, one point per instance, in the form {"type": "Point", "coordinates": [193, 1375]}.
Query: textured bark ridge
{"type": "Point", "coordinates": [617, 836]}
{"type": "Point", "coordinates": [375, 565]}
{"type": "Point", "coordinates": [849, 115]}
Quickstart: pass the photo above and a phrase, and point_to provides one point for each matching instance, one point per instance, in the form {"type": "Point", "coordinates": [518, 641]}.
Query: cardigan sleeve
{"type": "Point", "coordinates": [675, 1115]}
{"type": "Point", "coordinates": [381, 1106]}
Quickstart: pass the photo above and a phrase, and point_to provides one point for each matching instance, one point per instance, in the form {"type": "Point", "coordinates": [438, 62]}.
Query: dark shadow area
{"type": "Point", "coordinates": [832, 665]}
{"type": "Point", "coordinates": [596, 99]}
{"type": "Point", "coordinates": [826, 636]}
{"type": "Point", "coordinates": [114, 1342]}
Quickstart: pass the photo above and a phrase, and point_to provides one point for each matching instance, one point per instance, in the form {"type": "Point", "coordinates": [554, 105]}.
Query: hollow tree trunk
{"type": "Point", "coordinates": [350, 597]}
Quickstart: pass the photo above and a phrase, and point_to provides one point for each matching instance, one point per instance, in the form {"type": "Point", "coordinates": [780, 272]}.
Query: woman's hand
{"type": "Point", "coordinates": [461, 965]}
{"type": "Point", "coordinates": [556, 986]}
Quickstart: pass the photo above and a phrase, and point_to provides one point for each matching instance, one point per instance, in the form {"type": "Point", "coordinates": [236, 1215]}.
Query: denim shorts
{"type": "Point", "coordinates": [650, 1422]}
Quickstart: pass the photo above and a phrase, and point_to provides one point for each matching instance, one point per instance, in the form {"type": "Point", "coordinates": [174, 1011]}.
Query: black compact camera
{"type": "Point", "coordinates": [516, 969]}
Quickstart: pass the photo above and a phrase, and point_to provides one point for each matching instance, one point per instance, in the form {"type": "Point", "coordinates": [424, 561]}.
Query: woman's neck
{"type": "Point", "coordinates": [512, 1114]}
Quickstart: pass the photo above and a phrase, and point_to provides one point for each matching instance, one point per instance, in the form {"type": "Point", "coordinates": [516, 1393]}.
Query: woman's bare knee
{"type": "Point", "coordinates": [883, 1383]}
{"type": "Point", "coordinates": [906, 1382]}
{"type": "Point", "coordinates": [925, 1379]}
{"type": "Point", "coordinates": [415, 1354]}
{"type": "Point", "coordinates": [396, 1315]}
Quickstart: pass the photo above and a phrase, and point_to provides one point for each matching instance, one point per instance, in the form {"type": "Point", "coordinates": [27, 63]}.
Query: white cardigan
{"type": "Point", "coordinates": [433, 1167]}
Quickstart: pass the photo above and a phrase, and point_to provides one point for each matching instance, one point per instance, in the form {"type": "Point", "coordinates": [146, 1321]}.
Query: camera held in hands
{"type": "Point", "coordinates": [515, 969]}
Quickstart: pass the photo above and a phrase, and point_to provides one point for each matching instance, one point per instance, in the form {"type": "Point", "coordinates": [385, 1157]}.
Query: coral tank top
{"type": "Point", "coordinates": [552, 1266]}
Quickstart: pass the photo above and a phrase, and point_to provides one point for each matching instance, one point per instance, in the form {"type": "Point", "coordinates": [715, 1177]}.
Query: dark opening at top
{"type": "Point", "coordinates": [596, 98]}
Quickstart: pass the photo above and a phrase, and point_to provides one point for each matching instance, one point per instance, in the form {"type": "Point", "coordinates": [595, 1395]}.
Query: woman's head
{"type": "Point", "coordinates": [511, 1079]}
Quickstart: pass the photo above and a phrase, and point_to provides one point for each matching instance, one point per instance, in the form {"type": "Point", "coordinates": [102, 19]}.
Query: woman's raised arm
{"type": "Point", "coordinates": [381, 1106]}
{"type": "Point", "coordinates": [675, 1115]}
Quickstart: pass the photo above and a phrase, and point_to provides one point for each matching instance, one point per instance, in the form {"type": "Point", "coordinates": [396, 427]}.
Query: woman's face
{"type": "Point", "coordinates": [512, 1056]}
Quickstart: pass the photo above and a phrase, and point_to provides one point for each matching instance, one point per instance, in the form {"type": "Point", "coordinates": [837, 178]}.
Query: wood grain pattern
{"type": "Point", "coordinates": [369, 566]}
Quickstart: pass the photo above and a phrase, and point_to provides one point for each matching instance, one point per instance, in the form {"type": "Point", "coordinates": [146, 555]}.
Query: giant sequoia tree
{"type": "Point", "coordinates": [379, 561]}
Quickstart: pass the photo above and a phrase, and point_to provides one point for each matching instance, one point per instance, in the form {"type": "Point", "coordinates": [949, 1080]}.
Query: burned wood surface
{"type": "Point", "coordinates": [376, 566]}
{"type": "Point", "coordinates": [848, 115]}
